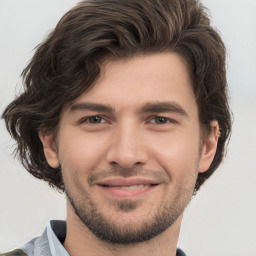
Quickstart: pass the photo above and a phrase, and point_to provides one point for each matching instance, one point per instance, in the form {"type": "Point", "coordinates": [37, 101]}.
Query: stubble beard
{"type": "Point", "coordinates": [151, 226]}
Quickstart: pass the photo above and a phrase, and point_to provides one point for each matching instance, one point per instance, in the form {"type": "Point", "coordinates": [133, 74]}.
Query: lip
{"type": "Point", "coordinates": [122, 182]}
{"type": "Point", "coordinates": [111, 186]}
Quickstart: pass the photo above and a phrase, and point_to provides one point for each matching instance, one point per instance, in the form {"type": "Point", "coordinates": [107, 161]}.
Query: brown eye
{"type": "Point", "coordinates": [160, 120]}
{"type": "Point", "coordinates": [94, 119]}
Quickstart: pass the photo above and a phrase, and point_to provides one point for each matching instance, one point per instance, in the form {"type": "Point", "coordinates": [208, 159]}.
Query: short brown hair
{"type": "Point", "coordinates": [68, 62]}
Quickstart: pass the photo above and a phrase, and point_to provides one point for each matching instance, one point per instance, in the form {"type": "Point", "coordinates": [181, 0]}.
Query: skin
{"type": "Point", "coordinates": [145, 131]}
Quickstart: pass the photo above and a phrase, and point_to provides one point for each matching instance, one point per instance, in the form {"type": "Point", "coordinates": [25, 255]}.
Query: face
{"type": "Point", "coordinates": [130, 148]}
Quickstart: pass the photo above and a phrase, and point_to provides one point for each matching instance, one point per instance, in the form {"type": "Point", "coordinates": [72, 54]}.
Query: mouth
{"type": "Point", "coordinates": [122, 188]}
{"type": "Point", "coordinates": [132, 187]}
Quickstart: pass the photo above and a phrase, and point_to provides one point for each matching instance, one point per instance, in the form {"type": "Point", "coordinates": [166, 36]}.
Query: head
{"type": "Point", "coordinates": [71, 62]}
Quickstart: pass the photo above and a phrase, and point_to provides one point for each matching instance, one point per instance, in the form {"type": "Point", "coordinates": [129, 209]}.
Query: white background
{"type": "Point", "coordinates": [220, 220]}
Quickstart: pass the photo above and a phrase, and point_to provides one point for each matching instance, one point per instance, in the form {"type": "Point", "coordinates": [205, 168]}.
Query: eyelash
{"type": "Point", "coordinates": [89, 119]}
{"type": "Point", "coordinates": [166, 119]}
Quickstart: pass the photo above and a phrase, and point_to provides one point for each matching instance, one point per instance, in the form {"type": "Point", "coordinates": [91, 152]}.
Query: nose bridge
{"type": "Point", "coordinates": [127, 147]}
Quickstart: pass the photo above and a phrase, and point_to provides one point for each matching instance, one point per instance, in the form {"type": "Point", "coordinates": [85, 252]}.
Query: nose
{"type": "Point", "coordinates": [128, 147]}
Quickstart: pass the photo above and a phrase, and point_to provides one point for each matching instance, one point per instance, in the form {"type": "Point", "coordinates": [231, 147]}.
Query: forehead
{"type": "Point", "coordinates": [135, 81]}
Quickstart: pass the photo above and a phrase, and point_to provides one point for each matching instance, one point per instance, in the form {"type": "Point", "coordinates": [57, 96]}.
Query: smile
{"type": "Point", "coordinates": [132, 187]}
{"type": "Point", "coordinates": [119, 188]}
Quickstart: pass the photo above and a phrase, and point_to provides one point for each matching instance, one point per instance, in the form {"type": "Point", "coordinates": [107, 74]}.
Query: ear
{"type": "Point", "coordinates": [209, 147]}
{"type": "Point", "coordinates": [50, 149]}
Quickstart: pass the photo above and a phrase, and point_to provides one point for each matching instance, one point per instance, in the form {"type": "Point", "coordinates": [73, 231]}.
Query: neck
{"type": "Point", "coordinates": [80, 239]}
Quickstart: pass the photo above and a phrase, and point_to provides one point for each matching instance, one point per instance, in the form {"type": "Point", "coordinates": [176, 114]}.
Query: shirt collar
{"type": "Point", "coordinates": [56, 233]}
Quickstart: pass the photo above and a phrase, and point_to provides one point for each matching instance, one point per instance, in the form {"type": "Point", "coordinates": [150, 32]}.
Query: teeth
{"type": "Point", "coordinates": [133, 187]}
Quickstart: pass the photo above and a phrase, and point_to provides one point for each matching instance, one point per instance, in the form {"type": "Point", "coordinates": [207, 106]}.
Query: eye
{"type": "Point", "coordinates": [161, 120]}
{"type": "Point", "coordinates": [93, 120]}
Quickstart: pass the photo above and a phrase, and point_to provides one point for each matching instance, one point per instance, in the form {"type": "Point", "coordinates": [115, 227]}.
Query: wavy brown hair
{"type": "Point", "coordinates": [68, 62]}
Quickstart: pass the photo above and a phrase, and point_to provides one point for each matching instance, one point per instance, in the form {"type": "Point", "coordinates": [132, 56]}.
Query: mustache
{"type": "Point", "coordinates": [118, 171]}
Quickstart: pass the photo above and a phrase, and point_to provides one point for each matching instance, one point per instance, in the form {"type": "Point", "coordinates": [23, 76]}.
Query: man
{"type": "Point", "coordinates": [125, 110]}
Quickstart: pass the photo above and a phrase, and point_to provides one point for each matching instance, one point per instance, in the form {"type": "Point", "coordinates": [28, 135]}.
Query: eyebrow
{"type": "Point", "coordinates": [150, 107]}
{"type": "Point", "coordinates": [158, 107]}
{"type": "Point", "coordinates": [92, 106]}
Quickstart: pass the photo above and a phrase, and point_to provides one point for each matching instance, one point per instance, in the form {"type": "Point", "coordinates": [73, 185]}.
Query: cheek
{"type": "Point", "coordinates": [79, 151]}
{"type": "Point", "coordinates": [178, 154]}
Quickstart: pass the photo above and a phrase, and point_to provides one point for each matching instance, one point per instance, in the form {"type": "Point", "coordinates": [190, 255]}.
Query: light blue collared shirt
{"type": "Point", "coordinates": [48, 244]}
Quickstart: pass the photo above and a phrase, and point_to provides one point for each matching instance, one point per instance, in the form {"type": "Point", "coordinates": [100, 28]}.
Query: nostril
{"type": "Point", "coordinates": [125, 163]}
{"type": "Point", "coordinates": [114, 163]}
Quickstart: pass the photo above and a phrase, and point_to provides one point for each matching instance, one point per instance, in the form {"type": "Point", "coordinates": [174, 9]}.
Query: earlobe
{"type": "Point", "coordinates": [209, 147]}
{"type": "Point", "coordinates": [50, 149]}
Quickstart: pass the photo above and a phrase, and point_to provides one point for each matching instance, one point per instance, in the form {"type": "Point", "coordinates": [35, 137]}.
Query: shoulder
{"type": "Point", "coordinates": [17, 252]}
